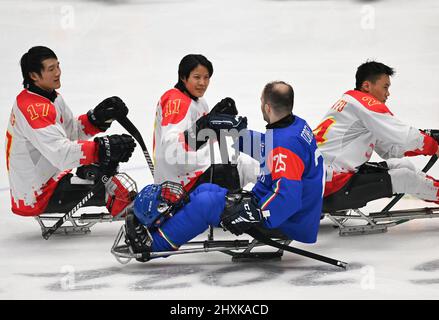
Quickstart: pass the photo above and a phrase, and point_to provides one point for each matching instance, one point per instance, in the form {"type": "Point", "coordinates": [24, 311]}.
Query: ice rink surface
{"type": "Point", "coordinates": [132, 49]}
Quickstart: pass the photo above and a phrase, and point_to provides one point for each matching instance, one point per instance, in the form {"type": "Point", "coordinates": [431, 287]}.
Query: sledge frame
{"type": "Point", "coordinates": [240, 250]}
{"type": "Point", "coordinates": [377, 222]}
{"type": "Point", "coordinates": [80, 224]}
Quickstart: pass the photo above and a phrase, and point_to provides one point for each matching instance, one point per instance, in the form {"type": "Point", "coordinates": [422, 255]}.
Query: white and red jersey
{"type": "Point", "coordinates": [355, 127]}
{"type": "Point", "coordinates": [174, 159]}
{"type": "Point", "coordinates": [43, 143]}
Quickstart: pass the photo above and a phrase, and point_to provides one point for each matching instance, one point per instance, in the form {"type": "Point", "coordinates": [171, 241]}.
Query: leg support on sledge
{"type": "Point", "coordinates": [377, 222]}
{"type": "Point", "coordinates": [123, 253]}
{"type": "Point", "coordinates": [79, 224]}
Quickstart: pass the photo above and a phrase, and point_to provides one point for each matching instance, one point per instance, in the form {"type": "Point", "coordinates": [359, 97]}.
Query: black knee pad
{"type": "Point", "coordinates": [224, 175]}
{"type": "Point", "coordinates": [360, 189]}
{"type": "Point", "coordinates": [68, 195]}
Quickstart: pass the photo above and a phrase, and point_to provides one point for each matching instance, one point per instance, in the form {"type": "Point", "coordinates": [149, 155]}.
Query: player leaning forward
{"type": "Point", "coordinates": [287, 197]}
{"type": "Point", "coordinates": [44, 142]}
{"type": "Point", "coordinates": [360, 123]}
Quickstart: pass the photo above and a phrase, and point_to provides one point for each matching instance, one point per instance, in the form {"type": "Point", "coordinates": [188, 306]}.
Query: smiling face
{"type": "Point", "coordinates": [378, 89]}
{"type": "Point", "coordinates": [50, 78]}
{"type": "Point", "coordinates": [198, 81]}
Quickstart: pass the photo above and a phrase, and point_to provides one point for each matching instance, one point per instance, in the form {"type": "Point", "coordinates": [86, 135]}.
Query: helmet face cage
{"type": "Point", "coordinates": [124, 188]}
{"type": "Point", "coordinates": [173, 194]}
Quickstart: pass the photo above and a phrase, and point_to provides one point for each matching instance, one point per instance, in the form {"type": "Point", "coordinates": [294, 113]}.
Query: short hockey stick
{"type": "Point", "coordinates": [398, 197]}
{"type": "Point", "coordinates": [100, 183]}
{"type": "Point", "coordinates": [132, 130]}
{"type": "Point", "coordinates": [258, 235]}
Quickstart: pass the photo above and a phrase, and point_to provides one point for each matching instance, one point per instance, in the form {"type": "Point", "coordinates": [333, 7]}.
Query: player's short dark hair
{"type": "Point", "coordinates": [32, 61]}
{"type": "Point", "coordinates": [281, 100]}
{"type": "Point", "coordinates": [190, 62]}
{"type": "Point", "coordinates": [371, 71]}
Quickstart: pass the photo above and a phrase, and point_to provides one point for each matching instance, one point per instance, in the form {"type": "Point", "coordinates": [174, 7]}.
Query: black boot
{"type": "Point", "coordinates": [137, 237]}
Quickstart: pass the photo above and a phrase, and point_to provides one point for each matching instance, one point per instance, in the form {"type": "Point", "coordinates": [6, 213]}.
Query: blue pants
{"type": "Point", "coordinates": [205, 208]}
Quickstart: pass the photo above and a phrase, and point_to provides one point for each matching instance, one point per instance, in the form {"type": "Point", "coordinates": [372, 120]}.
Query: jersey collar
{"type": "Point", "coordinates": [46, 94]}
{"type": "Point", "coordinates": [282, 123]}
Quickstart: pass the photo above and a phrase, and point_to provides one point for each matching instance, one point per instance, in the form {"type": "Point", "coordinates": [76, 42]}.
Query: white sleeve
{"type": "Point", "coordinates": [75, 128]}
{"type": "Point", "coordinates": [394, 137]}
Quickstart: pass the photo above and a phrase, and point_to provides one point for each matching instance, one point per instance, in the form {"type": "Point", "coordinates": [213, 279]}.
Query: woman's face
{"type": "Point", "coordinates": [198, 81]}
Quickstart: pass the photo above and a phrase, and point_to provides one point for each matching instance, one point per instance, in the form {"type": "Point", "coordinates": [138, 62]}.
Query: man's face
{"type": "Point", "coordinates": [198, 81]}
{"type": "Point", "coordinates": [50, 78]}
{"type": "Point", "coordinates": [380, 89]}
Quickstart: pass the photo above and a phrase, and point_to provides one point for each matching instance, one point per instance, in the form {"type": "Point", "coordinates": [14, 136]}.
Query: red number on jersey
{"type": "Point", "coordinates": [322, 129]}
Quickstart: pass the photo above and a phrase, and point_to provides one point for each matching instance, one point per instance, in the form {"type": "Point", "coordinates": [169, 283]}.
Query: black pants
{"type": "Point", "coordinates": [224, 175]}
{"type": "Point", "coordinates": [68, 195]}
{"type": "Point", "coordinates": [371, 182]}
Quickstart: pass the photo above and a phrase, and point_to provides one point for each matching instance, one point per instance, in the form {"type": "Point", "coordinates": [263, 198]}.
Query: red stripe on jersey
{"type": "Point", "coordinates": [8, 148]}
{"type": "Point", "coordinates": [430, 147]}
{"type": "Point", "coordinates": [88, 129]}
{"type": "Point", "coordinates": [38, 111]}
{"type": "Point", "coordinates": [175, 106]}
{"type": "Point", "coordinates": [337, 182]}
{"type": "Point", "coordinates": [284, 163]}
{"type": "Point", "coordinates": [90, 152]}
{"type": "Point", "coordinates": [369, 102]}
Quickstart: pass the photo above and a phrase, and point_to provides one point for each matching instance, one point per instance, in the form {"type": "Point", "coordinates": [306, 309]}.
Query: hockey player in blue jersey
{"type": "Point", "coordinates": [287, 197]}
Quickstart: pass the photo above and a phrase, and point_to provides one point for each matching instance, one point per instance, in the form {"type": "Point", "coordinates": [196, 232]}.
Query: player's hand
{"type": "Point", "coordinates": [115, 148]}
{"type": "Point", "coordinates": [227, 106]}
{"type": "Point", "coordinates": [106, 112]}
{"type": "Point", "coordinates": [241, 215]}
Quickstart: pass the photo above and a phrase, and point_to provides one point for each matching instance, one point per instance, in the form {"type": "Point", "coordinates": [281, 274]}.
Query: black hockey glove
{"type": "Point", "coordinates": [216, 122]}
{"type": "Point", "coordinates": [105, 112]}
{"type": "Point", "coordinates": [434, 133]}
{"type": "Point", "coordinates": [240, 213]}
{"type": "Point", "coordinates": [226, 106]}
{"type": "Point", "coordinates": [114, 149]}
{"type": "Point", "coordinates": [220, 121]}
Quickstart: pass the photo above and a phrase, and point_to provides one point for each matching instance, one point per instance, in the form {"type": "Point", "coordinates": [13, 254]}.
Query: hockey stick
{"type": "Point", "coordinates": [398, 197]}
{"type": "Point", "coordinates": [101, 182]}
{"type": "Point", "coordinates": [132, 130]}
{"type": "Point", "coordinates": [258, 235]}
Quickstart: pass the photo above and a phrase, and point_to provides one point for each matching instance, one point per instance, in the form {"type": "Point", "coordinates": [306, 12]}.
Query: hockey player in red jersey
{"type": "Point", "coordinates": [182, 113]}
{"type": "Point", "coordinates": [44, 142]}
{"type": "Point", "coordinates": [359, 124]}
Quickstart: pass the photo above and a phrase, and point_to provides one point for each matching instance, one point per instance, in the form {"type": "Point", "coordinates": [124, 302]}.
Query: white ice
{"type": "Point", "coordinates": [132, 48]}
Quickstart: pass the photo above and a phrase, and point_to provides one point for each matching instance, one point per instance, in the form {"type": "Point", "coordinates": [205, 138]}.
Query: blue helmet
{"type": "Point", "coordinates": [156, 202]}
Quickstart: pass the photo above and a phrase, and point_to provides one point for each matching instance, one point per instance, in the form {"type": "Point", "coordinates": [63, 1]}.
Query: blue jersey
{"type": "Point", "coordinates": [291, 182]}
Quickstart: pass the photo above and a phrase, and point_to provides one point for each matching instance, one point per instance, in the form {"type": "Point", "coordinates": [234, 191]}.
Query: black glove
{"type": "Point", "coordinates": [105, 112]}
{"type": "Point", "coordinates": [218, 121]}
{"type": "Point", "coordinates": [227, 106]}
{"type": "Point", "coordinates": [114, 149]}
{"type": "Point", "coordinates": [434, 133]}
{"type": "Point", "coordinates": [214, 121]}
{"type": "Point", "coordinates": [240, 214]}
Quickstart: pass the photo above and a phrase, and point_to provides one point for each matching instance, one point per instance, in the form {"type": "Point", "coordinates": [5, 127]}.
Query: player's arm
{"type": "Point", "coordinates": [395, 138]}
{"type": "Point", "coordinates": [51, 140]}
{"type": "Point", "coordinates": [96, 120]}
